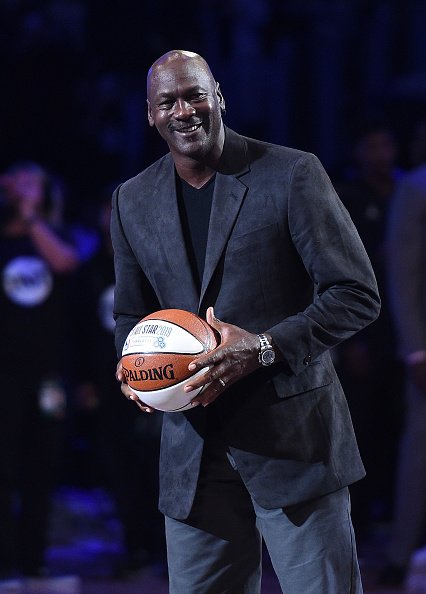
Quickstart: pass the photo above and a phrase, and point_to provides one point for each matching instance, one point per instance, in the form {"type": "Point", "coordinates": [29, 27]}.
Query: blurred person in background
{"type": "Point", "coordinates": [367, 363]}
{"type": "Point", "coordinates": [36, 260]}
{"type": "Point", "coordinates": [121, 446]}
{"type": "Point", "coordinates": [407, 289]}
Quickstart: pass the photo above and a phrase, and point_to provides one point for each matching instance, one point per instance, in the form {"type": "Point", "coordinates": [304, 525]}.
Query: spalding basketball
{"type": "Point", "coordinates": [157, 353]}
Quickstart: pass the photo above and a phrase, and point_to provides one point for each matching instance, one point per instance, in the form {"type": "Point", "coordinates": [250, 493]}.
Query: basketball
{"type": "Point", "coordinates": [157, 353]}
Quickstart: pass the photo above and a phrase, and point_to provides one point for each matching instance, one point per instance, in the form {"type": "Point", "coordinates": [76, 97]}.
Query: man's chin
{"type": "Point", "coordinates": [190, 148]}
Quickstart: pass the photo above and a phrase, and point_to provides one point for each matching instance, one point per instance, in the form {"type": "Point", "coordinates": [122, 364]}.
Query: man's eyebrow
{"type": "Point", "coordinates": [168, 95]}
{"type": "Point", "coordinates": [162, 96]}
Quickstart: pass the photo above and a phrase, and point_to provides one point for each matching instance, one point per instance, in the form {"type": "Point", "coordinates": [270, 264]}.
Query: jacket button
{"type": "Point", "coordinates": [307, 359]}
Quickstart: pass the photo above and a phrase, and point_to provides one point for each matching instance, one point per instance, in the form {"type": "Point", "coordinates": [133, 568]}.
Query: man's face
{"type": "Point", "coordinates": [184, 104]}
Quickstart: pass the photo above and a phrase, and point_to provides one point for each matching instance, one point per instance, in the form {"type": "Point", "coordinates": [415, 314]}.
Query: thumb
{"type": "Point", "coordinates": [212, 320]}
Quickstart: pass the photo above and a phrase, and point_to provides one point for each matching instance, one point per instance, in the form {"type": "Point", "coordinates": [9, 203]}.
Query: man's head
{"type": "Point", "coordinates": [185, 104]}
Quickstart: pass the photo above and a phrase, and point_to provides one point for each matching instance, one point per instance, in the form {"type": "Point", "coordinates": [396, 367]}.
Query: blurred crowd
{"type": "Point", "coordinates": [62, 417]}
{"type": "Point", "coordinates": [73, 126]}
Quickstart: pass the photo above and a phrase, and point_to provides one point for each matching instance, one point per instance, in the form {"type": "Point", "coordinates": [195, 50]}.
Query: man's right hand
{"type": "Point", "coordinates": [128, 392]}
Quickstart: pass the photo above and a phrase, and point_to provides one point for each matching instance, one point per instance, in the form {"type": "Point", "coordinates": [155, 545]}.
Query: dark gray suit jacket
{"type": "Point", "coordinates": [282, 256]}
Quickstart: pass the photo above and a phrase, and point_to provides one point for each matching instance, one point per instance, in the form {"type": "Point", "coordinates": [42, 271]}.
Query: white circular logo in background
{"type": "Point", "coordinates": [106, 309]}
{"type": "Point", "coordinates": [27, 281]}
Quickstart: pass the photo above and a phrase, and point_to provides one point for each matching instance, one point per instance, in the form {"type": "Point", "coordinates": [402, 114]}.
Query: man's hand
{"type": "Point", "coordinates": [128, 392]}
{"type": "Point", "coordinates": [417, 373]}
{"type": "Point", "coordinates": [233, 359]}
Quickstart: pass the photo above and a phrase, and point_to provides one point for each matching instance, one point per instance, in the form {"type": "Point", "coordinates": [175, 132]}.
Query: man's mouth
{"type": "Point", "coordinates": [188, 129]}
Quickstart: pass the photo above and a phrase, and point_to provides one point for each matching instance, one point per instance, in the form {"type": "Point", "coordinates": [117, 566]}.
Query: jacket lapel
{"type": "Point", "coordinates": [228, 197]}
{"type": "Point", "coordinates": [166, 215]}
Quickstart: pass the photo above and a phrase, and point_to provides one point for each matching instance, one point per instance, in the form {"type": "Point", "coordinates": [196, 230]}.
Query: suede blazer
{"type": "Point", "coordinates": [283, 256]}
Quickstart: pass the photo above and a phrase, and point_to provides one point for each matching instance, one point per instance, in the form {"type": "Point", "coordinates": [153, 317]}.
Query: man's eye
{"type": "Point", "coordinates": [198, 97]}
{"type": "Point", "coordinates": [165, 105]}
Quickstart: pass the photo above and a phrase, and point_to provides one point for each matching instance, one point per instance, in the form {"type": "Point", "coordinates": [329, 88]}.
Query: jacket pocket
{"type": "Point", "coordinates": [256, 237]}
{"type": "Point", "coordinates": [316, 375]}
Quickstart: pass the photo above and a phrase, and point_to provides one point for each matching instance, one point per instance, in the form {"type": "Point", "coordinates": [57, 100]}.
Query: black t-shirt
{"type": "Point", "coordinates": [195, 207]}
{"type": "Point", "coordinates": [32, 309]}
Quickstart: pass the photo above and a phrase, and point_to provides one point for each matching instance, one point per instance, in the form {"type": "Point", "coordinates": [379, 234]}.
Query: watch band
{"type": "Point", "coordinates": [264, 342]}
{"type": "Point", "coordinates": [266, 352]}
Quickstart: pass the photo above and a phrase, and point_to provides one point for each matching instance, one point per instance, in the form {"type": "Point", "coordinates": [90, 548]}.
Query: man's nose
{"type": "Point", "coordinates": [183, 110]}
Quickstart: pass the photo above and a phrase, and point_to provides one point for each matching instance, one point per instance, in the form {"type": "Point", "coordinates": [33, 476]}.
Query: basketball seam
{"type": "Point", "coordinates": [163, 353]}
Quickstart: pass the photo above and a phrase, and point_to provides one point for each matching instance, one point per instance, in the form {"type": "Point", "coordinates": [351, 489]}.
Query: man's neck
{"type": "Point", "coordinates": [195, 176]}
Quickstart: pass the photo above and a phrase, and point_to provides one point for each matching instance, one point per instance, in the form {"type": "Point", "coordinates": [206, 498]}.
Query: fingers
{"type": "Point", "coordinates": [212, 373]}
{"type": "Point", "coordinates": [212, 384]}
{"type": "Point", "coordinates": [209, 360]}
{"type": "Point", "coordinates": [210, 392]}
{"type": "Point", "coordinates": [131, 395]}
{"type": "Point", "coordinates": [128, 392]}
{"type": "Point", "coordinates": [143, 407]}
{"type": "Point", "coordinates": [119, 375]}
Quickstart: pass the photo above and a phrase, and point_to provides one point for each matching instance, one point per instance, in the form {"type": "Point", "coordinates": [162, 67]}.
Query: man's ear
{"type": "Point", "coordinates": [150, 118]}
{"type": "Point", "coordinates": [221, 99]}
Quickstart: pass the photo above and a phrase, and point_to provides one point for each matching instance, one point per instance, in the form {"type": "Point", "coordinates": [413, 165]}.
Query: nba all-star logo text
{"type": "Point", "coordinates": [148, 335]}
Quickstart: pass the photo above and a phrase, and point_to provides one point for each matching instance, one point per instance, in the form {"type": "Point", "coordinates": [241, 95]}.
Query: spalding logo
{"type": "Point", "coordinates": [153, 374]}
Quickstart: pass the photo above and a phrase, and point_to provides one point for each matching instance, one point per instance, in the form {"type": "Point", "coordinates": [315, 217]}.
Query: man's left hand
{"type": "Point", "coordinates": [235, 357]}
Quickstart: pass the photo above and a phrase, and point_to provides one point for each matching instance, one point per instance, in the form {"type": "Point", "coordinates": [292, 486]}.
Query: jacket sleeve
{"type": "Point", "coordinates": [345, 298]}
{"type": "Point", "coordinates": [134, 296]}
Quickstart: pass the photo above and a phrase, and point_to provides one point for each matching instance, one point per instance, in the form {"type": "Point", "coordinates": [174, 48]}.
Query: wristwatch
{"type": "Point", "coordinates": [266, 353]}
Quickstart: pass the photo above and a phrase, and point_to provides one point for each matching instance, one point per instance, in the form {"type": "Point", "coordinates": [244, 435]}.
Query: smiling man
{"type": "Point", "coordinates": [268, 450]}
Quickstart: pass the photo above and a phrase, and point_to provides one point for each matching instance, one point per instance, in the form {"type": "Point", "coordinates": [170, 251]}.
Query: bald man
{"type": "Point", "coordinates": [252, 236]}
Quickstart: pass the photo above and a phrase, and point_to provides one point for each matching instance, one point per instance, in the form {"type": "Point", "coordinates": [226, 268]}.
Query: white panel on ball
{"type": "Point", "coordinates": [159, 336]}
{"type": "Point", "coordinates": [173, 398]}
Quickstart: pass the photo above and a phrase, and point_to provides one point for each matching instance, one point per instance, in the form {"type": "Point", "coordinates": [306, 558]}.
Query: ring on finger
{"type": "Point", "coordinates": [222, 383]}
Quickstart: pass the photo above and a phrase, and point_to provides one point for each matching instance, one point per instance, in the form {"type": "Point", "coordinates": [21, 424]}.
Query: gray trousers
{"type": "Point", "coordinates": [410, 493]}
{"type": "Point", "coordinates": [217, 550]}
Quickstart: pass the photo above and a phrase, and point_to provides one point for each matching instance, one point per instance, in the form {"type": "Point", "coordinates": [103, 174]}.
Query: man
{"type": "Point", "coordinates": [256, 231]}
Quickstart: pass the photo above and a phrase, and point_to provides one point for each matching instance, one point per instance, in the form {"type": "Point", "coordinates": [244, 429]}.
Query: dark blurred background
{"type": "Point", "coordinates": [305, 73]}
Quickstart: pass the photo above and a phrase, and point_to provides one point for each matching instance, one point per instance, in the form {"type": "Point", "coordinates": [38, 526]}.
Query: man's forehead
{"type": "Point", "coordinates": [193, 68]}
{"type": "Point", "coordinates": [187, 69]}
{"type": "Point", "coordinates": [179, 63]}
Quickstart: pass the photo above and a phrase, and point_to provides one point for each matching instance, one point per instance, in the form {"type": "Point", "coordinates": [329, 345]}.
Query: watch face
{"type": "Point", "coordinates": [268, 357]}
